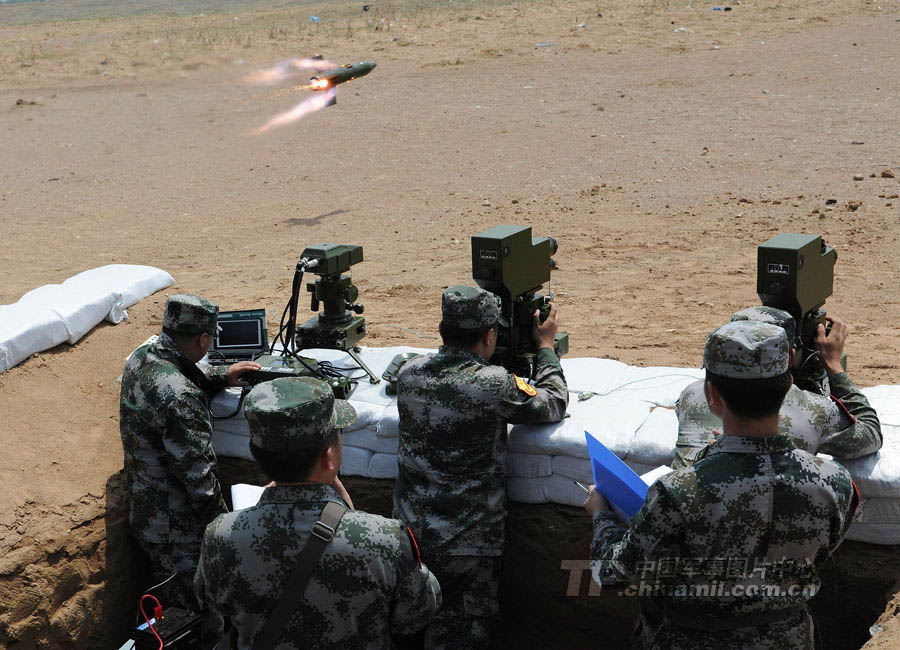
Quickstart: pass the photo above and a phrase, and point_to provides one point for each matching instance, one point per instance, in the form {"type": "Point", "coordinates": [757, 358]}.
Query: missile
{"type": "Point", "coordinates": [343, 74]}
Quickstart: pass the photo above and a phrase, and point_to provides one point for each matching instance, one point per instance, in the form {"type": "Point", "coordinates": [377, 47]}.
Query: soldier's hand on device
{"type": "Point", "coordinates": [595, 502]}
{"type": "Point", "coordinates": [545, 333]}
{"type": "Point", "coordinates": [831, 345]}
{"type": "Point", "coordinates": [235, 371]}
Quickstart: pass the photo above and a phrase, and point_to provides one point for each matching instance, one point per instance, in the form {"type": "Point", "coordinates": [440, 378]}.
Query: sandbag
{"type": "Point", "coordinates": [355, 461]}
{"type": "Point", "coordinates": [79, 307]}
{"type": "Point", "coordinates": [133, 282]}
{"type": "Point", "coordinates": [26, 329]}
{"type": "Point", "coordinates": [368, 439]}
{"type": "Point", "coordinates": [528, 465]}
{"type": "Point", "coordinates": [383, 466]}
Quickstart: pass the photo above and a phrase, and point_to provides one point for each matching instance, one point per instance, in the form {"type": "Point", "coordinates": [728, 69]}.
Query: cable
{"type": "Point", "coordinates": [240, 405]}
{"type": "Point", "coordinates": [157, 615]}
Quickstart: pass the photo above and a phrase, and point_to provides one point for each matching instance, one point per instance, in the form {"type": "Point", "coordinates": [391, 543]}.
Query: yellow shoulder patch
{"type": "Point", "coordinates": [525, 387]}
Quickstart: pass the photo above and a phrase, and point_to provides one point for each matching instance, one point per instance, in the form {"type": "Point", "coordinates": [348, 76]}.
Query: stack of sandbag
{"type": "Point", "coordinates": [628, 408]}
{"type": "Point", "coordinates": [57, 313]}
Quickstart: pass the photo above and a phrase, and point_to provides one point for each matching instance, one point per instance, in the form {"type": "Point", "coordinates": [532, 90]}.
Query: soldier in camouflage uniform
{"type": "Point", "coordinates": [451, 489]}
{"type": "Point", "coordinates": [369, 582]}
{"type": "Point", "coordinates": [841, 424]}
{"type": "Point", "coordinates": [170, 466]}
{"type": "Point", "coordinates": [725, 553]}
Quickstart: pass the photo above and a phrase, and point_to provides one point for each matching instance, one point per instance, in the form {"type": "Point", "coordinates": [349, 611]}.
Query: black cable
{"type": "Point", "coordinates": [240, 405]}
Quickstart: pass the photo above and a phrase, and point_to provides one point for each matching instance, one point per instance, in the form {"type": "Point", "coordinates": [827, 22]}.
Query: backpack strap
{"type": "Point", "coordinates": [320, 536]}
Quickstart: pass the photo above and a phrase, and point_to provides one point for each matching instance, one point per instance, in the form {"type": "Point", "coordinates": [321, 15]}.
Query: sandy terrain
{"type": "Point", "coordinates": [659, 158]}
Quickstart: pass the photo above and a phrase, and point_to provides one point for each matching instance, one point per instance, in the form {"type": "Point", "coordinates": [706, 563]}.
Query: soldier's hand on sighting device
{"type": "Point", "coordinates": [545, 333]}
{"type": "Point", "coordinates": [235, 370]}
{"type": "Point", "coordinates": [831, 345]}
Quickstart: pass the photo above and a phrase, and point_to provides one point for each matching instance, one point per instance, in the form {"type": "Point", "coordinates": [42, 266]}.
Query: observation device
{"type": "Point", "coordinates": [513, 265]}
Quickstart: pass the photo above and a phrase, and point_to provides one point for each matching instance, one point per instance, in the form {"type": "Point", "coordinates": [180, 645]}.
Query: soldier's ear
{"type": "Point", "coordinates": [713, 398]}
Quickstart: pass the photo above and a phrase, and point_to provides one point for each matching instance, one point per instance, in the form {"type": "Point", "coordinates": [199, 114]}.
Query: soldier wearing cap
{"type": "Point", "coordinates": [369, 581]}
{"type": "Point", "coordinates": [840, 423]}
{"type": "Point", "coordinates": [725, 553]}
{"type": "Point", "coordinates": [454, 408]}
{"type": "Point", "coordinates": [170, 467]}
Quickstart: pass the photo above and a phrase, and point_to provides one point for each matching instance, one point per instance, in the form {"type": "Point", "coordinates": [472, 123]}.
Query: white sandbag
{"type": "Point", "coordinates": [133, 282]}
{"type": "Point", "coordinates": [877, 522]}
{"type": "Point", "coordinates": [528, 465]}
{"type": "Point", "coordinates": [612, 420]}
{"type": "Point", "coordinates": [389, 425]}
{"type": "Point", "coordinates": [368, 439]}
{"type": "Point", "coordinates": [355, 461]}
{"type": "Point", "coordinates": [548, 489]}
{"type": "Point", "coordinates": [383, 466]}
{"type": "Point", "coordinates": [659, 385]}
{"type": "Point", "coordinates": [578, 469]}
{"type": "Point", "coordinates": [80, 307]}
{"type": "Point", "coordinates": [878, 475]}
{"type": "Point", "coordinates": [590, 374]}
{"type": "Point", "coordinates": [654, 443]}
{"type": "Point", "coordinates": [27, 329]}
{"type": "Point", "coordinates": [886, 401]}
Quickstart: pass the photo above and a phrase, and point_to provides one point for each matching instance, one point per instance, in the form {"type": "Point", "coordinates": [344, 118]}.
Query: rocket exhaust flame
{"type": "Point", "coordinates": [310, 105]}
{"type": "Point", "coordinates": [284, 69]}
{"type": "Point", "coordinates": [328, 76]}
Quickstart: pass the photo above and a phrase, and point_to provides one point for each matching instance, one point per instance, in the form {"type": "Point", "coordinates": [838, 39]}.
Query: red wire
{"type": "Point", "coordinates": [158, 614]}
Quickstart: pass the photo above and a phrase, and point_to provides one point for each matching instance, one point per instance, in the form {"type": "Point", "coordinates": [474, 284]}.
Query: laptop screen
{"type": "Point", "coordinates": [240, 333]}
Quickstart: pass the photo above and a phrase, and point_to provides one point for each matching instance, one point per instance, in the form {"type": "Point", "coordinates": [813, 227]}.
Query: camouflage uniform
{"type": "Point", "coordinates": [369, 582]}
{"type": "Point", "coordinates": [841, 424]}
{"type": "Point", "coordinates": [451, 489]}
{"type": "Point", "coordinates": [724, 553]}
{"type": "Point", "coordinates": [170, 466]}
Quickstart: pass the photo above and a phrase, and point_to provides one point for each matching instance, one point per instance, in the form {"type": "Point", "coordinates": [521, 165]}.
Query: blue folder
{"type": "Point", "coordinates": [614, 479]}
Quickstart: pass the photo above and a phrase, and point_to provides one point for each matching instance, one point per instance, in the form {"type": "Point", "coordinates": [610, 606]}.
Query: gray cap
{"type": "Point", "coordinates": [773, 315]}
{"type": "Point", "coordinates": [292, 415]}
{"type": "Point", "coordinates": [469, 308]}
{"type": "Point", "coordinates": [747, 350]}
{"type": "Point", "coordinates": [190, 314]}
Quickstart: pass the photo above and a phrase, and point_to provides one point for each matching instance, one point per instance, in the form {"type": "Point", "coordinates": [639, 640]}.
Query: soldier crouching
{"type": "Point", "coordinates": [364, 580]}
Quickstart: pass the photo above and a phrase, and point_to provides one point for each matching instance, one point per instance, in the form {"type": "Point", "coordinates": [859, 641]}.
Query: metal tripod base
{"type": "Point", "coordinates": [372, 378]}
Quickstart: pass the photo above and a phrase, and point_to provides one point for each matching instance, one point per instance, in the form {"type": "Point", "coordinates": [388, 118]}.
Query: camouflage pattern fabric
{"type": "Point", "coordinates": [742, 532]}
{"type": "Point", "coordinates": [470, 586]}
{"type": "Point", "coordinates": [170, 466]}
{"type": "Point", "coordinates": [747, 350]}
{"type": "Point", "coordinates": [367, 585]}
{"type": "Point", "coordinates": [815, 422]}
{"type": "Point", "coordinates": [294, 415]}
{"type": "Point", "coordinates": [190, 314]}
{"type": "Point", "coordinates": [771, 315]}
{"type": "Point", "coordinates": [469, 307]}
{"type": "Point", "coordinates": [451, 488]}
{"type": "Point", "coordinates": [454, 408]}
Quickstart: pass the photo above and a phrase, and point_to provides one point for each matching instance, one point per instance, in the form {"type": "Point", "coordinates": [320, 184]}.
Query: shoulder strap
{"type": "Point", "coordinates": [320, 536]}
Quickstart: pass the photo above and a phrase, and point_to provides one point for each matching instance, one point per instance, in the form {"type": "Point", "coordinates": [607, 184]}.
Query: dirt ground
{"type": "Point", "coordinates": [660, 143]}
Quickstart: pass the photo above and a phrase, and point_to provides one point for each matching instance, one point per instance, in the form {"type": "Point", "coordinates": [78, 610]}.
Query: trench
{"type": "Point", "coordinates": [80, 590]}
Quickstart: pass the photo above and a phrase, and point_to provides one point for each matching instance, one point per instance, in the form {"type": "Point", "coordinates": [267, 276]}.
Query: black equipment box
{"type": "Point", "coordinates": [178, 629]}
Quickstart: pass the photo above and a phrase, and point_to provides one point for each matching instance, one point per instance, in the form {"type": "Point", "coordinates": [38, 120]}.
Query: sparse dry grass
{"type": "Point", "coordinates": [170, 45]}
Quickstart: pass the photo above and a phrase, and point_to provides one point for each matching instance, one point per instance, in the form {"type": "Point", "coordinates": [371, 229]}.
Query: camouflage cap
{"type": "Point", "coordinates": [294, 414]}
{"type": "Point", "coordinates": [773, 315]}
{"type": "Point", "coordinates": [190, 314]}
{"type": "Point", "coordinates": [469, 308]}
{"type": "Point", "coordinates": [747, 350]}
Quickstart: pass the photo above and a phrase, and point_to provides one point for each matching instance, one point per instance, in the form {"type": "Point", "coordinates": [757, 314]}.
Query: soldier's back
{"type": "Point", "coordinates": [248, 555]}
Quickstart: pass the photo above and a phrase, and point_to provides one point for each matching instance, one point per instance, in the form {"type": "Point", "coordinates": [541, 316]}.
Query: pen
{"type": "Point", "coordinates": [582, 486]}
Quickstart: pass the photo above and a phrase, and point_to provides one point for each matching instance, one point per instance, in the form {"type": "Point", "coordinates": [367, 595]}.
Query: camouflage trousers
{"type": "Point", "coordinates": [797, 632]}
{"type": "Point", "coordinates": [174, 558]}
{"type": "Point", "coordinates": [470, 586]}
